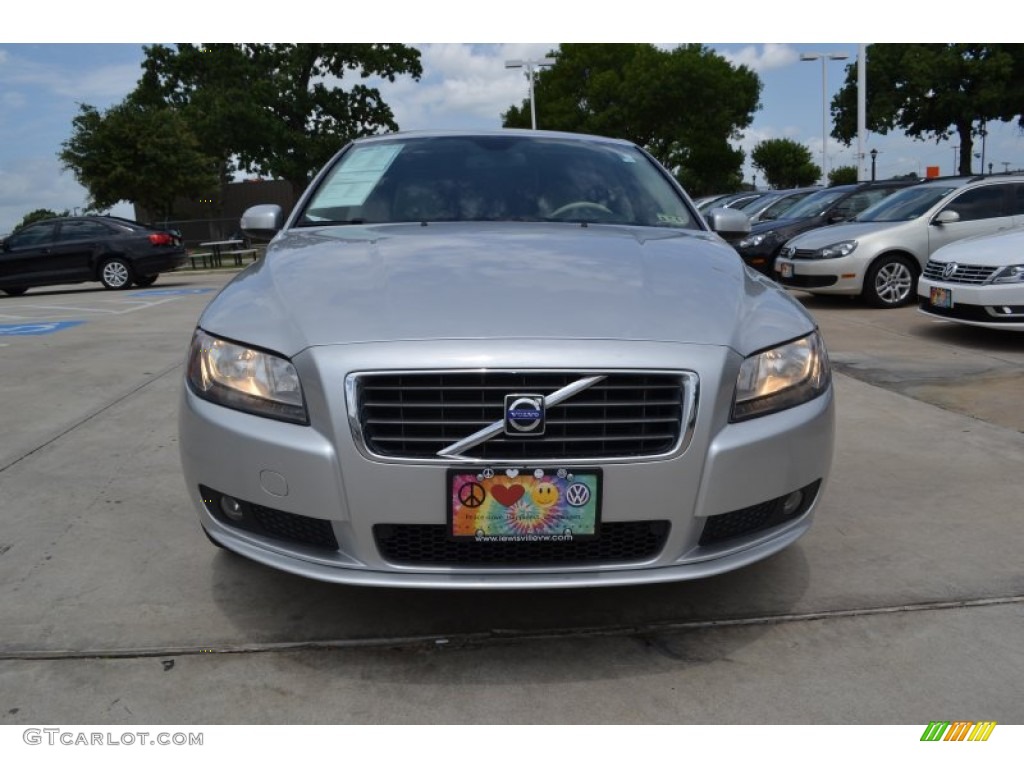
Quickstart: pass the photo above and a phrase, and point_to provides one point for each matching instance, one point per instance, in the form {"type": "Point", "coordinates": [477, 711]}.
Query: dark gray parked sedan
{"type": "Point", "coordinates": [112, 251]}
{"type": "Point", "coordinates": [504, 360]}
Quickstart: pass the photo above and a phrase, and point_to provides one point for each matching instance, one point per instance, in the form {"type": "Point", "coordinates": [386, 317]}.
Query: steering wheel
{"type": "Point", "coordinates": [580, 206]}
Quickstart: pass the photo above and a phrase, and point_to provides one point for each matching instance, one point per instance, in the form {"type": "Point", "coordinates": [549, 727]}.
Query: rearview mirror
{"type": "Point", "coordinates": [263, 221]}
{"type": "Point", "coordinates": [728, 222]}
{"type": "Point", "coordinates": [946, 217]}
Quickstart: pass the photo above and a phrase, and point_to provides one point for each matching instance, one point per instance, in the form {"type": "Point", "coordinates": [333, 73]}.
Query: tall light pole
{"type": "Point", "coordinates": [825, 58]}
{"type": "Point", "coordinates": [529, 65]}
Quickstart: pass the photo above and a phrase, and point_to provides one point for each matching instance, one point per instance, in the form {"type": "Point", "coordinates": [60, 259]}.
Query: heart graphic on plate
{"type": "Point", "coordinates": [507, 495]}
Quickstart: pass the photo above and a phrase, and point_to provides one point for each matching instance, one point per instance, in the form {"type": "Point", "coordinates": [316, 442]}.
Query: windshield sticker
{"type": "Point", "coordinates": [669, 218]}
{"type": "Point", "coordinates": [357, 176]}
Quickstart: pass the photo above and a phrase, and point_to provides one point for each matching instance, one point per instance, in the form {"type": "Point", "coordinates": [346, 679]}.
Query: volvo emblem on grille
{"type": "Point", "coordinates": [950, 269]}
{"type": "Point", "coordinates": [524, 415]}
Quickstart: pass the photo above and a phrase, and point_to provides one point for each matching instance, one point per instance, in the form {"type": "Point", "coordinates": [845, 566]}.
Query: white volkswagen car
{"type": "Point", "coordinates": [503, 360]}
{"type": "Point", "coordinates": [979, 281]}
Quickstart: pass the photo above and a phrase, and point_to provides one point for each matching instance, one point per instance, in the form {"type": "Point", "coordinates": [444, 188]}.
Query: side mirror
{"type": "Point", "coordinates": [263, 221]}
{"type": "Point", "coordinates": [946, 217]}
{"type": "Point", "coordinates": [728, 222]}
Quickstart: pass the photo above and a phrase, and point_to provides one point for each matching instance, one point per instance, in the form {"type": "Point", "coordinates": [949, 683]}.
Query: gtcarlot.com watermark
{"type": "Point", "coordinates": [68, 738]}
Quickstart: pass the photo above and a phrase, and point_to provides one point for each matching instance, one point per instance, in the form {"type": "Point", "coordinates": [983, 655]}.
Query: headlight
{"type": "Point", "coordinates": [245, 379]}
{"type": "Point", "coordinates": [781, 378]}
{"type": "Point", "coordinates": [755, 240]}
{"type": "Point", "coordinates": [1011, 274]}
{"type": "Point", "coordinates": [836, 250]}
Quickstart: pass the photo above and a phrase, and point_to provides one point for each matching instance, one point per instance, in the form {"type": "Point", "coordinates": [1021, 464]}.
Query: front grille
{"type": "Point", "coordinates": [731, 525]}
{"type": "Point", "coordinates": [415, 415]}
{"type": "Point", "coordinates": [803, 253]}
{"type": "Point", "coordinates": [967, 274]}
{"type": "Point", "coordinates": [976, 313]}
{"type": "Point", "coordinates": [808, 281]}
{"type": "Point", "coordinates": [431, 545]}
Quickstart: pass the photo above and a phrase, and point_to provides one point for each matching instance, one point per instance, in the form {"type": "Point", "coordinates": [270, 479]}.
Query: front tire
{"type": "Point", "coordinates": [891, 282]}
{"type": "Point", "coordinates": [14, 291]}
{"type": "Point", "coordinates": [116, 274]}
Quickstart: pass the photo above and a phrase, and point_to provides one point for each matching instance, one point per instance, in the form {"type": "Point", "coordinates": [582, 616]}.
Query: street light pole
{"type": "Point", "coordinates": [825, 58]}
{"type": "Point", "coordinates": [874, 156]}
{"type": "Point", "coordinates": [529, 65]}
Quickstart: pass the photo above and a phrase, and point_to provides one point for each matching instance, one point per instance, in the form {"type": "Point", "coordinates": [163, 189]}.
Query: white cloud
{"type": "Point", "coordinates": [762, 57]}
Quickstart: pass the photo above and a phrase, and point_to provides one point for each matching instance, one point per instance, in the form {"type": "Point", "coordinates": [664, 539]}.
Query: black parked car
{"type": "Point", "coordinates": [116, 252]}
{"type": "Point", "coordinates": [828, 206]}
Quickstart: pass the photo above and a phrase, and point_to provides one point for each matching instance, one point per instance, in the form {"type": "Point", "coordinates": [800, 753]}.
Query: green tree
{"type": "Point", "coordinates": [39, 214]}
{"type": "Point", "coordinates": [684, 106]}
{"type": "Point", "coordinates": [844, 174]}
{"type": "Point", "coordinates": [277, 110]}
{"type": "Point", "coordinates": [785, 163]}
{"type": "Point", "coordinates": [145, 155]}
{"type": "Point", "coordinates": [935, 90]}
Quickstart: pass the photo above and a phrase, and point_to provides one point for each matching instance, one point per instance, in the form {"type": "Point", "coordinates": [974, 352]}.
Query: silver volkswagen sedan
{"type": "Point", "coordinates": [503, 360]}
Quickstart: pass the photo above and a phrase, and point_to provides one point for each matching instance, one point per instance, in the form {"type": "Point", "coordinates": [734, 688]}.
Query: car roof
{"type": "Point", "coordinates": [523, 132]}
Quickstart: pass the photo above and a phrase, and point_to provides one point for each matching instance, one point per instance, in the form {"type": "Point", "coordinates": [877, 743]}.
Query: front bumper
{"type": "Point", "coordinates": [842, 276]}
{"type": "Point", "coordinates": [319, 473]}
{"type": "Point", "coordinates": [985, 306]}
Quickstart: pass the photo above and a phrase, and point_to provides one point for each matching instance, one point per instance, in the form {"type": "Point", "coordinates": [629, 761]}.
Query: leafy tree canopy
{"type": "Point", "coordinates": [844, 174]}
{"type": "Point", "coordinates": [683, 106]}
{"type": "Point", "coordinates": [39, 214]}
{"type": "Point", "coordinates": [146, 155]}
{"type": "Point", "coordinates": [935, 90]}
{"type": "Point", "coordinates": [785, 163]}
{"type": "Point", "coordinates": [280, 110]}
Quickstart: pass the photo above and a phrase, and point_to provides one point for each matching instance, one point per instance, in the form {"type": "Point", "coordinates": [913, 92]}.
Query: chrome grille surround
{"type": "Point", "coordinates": [966, 274]}
{"type": "Point", "coordinates": [648, 400]}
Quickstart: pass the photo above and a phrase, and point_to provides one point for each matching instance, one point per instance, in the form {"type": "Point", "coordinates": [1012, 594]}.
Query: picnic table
{"type": "Point", "coordinates": [221, 248]}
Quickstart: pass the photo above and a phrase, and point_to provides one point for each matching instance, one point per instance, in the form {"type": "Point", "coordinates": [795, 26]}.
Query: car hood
{"type": "Point", "coordinates": [835, 233]}
{"type": "Point", "coordinates": [787, 228]}
{"type": "Point", "coordinates": [400, 282]}
{"type": "Point", "coordinates": [1002, 249]}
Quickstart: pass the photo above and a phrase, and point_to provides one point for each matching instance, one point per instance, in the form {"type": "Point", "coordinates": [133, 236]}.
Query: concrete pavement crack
{"type": "Point", "coordinates": [89, 417]}
{"type": "Point", "coordinates": [498, 635]}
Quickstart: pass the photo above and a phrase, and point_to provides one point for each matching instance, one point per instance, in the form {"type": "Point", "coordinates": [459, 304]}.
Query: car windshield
{"type": "Point", "coordinates": [906, 204]}
{"type": "Point", "coordinates": [780, 205]}
{"type": "Point", "coordinates": [496, 178]}
{"type": "Point", "coordinates": [814, 205]}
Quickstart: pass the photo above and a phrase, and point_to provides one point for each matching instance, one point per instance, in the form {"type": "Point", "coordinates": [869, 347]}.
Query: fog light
{"type": "Point", "coordinates": [231, 508]}
{"type": "Point", "coordinates": [792, 502]}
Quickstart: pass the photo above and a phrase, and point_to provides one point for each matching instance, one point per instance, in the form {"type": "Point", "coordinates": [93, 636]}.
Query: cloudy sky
{"type": "Point", "coordinates": [463, 86]}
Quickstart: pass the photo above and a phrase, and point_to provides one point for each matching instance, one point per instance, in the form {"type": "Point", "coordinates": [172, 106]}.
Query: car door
{"type": "Point", "coordinates": [76, 244]}
{"type": "Point", "coordinates": [983, 210]}
{"type": "Point", "coordinates": [25, 254]}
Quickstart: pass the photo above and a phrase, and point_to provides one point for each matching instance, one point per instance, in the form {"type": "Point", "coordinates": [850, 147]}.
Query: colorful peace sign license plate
{"type": "Point", "coordinates": [505, 505]}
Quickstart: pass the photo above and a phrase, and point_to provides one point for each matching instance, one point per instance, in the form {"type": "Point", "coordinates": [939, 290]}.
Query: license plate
{"type": "Point", "coordinates": [787, 270]}
{"type": "Point", "coordinates": [524, 504]}
{"type": "Point", "coordinates": [941, 297]}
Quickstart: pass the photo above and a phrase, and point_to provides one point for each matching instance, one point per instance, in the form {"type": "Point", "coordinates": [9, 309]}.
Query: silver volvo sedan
{"type": "Point", "coordinates": [503, 360]}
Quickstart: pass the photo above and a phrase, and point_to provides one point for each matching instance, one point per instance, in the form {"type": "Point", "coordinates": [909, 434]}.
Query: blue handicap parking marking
{"type": "Point", "coordinates": [37, 329]}
{"type": "Point", "coordinates": [174, 292]}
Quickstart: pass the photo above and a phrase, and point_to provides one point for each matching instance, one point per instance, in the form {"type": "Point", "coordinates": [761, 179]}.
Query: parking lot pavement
{"type": "Point", "coordinates": [900, 605]}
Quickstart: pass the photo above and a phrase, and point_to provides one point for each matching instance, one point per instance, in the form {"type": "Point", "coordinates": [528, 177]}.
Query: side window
{"type": "Point", "coordinates": [980, 203]}
{"type": "Point", "coordinates": [860, 201]}
{"type": "Point", "coordinates": [36, 235]}
{"type": "Point", "coordinates": [82, 230]}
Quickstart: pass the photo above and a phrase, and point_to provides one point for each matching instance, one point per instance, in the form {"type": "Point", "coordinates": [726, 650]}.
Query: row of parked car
{"type": "Point", "coordinates": [950, 244]}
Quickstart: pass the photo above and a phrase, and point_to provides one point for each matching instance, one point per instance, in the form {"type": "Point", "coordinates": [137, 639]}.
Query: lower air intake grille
{"type": "Point", "coordinates": [759, 517]}
{"type": "Point", "coordinates": [430, 545]}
